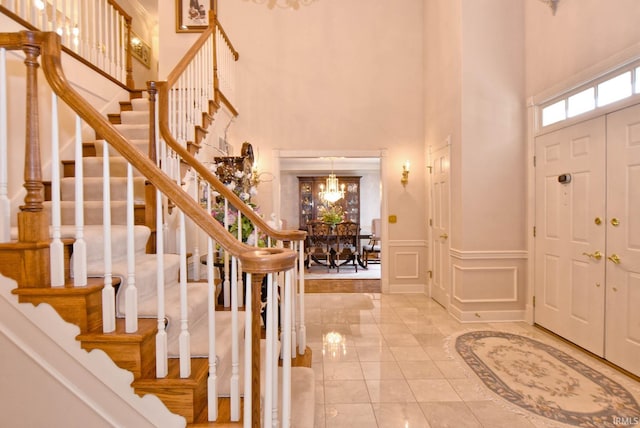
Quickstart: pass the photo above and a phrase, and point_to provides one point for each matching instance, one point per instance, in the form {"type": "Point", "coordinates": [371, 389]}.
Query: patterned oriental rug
{"type": "Point", "coordinates": [545, 381]}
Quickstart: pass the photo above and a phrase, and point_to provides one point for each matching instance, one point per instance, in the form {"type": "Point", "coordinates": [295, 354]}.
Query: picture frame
{"type": "Point", "coordinates": [192, 16]}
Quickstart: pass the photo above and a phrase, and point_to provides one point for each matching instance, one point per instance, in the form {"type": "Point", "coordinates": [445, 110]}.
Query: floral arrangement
{"type": "Point", "coordinates": [332, 214]}
{"type": "Point", "coordinates": [239, 183]}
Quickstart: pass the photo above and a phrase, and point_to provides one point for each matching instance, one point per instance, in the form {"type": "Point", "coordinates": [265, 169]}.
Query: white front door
{"type": "Point", "coordinates": [570, 233]}
{"type": "Point", "coordinates": [623, 239]}
{"type": "Point", "coordinates": [440, 284]}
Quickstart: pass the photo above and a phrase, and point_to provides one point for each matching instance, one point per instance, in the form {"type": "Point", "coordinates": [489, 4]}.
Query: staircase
{"type": "Point", "coordinates": [188, 396]}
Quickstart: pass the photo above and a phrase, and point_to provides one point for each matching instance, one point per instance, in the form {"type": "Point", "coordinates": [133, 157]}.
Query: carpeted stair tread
{"type": "Point", "coordinates": [134, 116]}
{"type": "Point", "coordinates": [140, 104]}
{"type": "Point", "coordinates": [93, 167]}
{"type": "Point", "coordinates": [141, 144]}
{"type": "Point", "coordinates": [199, 332]}
{"type": "Point", "coordinates": [134, 131]}
{"type": "Point", "coordinates": [92, 189]}
{"type": "Point", "coordinates": [93, 211]}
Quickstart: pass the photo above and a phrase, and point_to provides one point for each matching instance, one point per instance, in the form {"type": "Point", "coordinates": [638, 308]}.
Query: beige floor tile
{"type": "Point", "coordinates": [400, 339]}
{"type": "Point", "coordinates": [494, 415]}
{"type": "Point", "coordinates": [342, 371]}
{"type": "Point", "coordinates": [345, 391]}
{"type": "Point", "coordinates": [451, 369]}
{"type": "Point", "coordinates": [433, 390]}
{"type": "Point", "coordinates": [381, 370]}
{"type": "Point", "coordinates": [319, 417]}
{"type": "Point", "coordinates": [449, 415]}
{"type": "Point", "coordinates": [390, 391]}
{"type": "Point", "coordinates": [420, 370]}
{"type": "Point", "coordinates": [470, 390]}
{"type": "Point", "coordinates": [349, 416]}
{"type": "Point", "coordinates": [374, 353]}
{"type": "Point", "coordinates": [399, 415]}
{"type": "Point", "coordinates": [409, 353]}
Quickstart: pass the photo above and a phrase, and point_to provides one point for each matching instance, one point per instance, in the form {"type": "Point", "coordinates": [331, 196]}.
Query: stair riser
{"type": "Point", "coordinates": [92, 190]}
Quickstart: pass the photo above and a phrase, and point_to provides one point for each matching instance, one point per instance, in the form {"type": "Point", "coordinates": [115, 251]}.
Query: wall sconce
{"type": "Point", "coordinates": [405, 173]}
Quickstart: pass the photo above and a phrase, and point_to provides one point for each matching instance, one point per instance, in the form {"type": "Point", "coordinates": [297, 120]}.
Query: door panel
{"type": "Point", "coordinates": [570, 195]}
{"type": "Point", "coordinates": [440, 225]}
{"type": "Point", "coordinates": [623, 239]}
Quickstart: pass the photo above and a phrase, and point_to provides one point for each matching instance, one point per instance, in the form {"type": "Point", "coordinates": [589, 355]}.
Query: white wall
{"type": "Point", "coordinates": [581, 34]}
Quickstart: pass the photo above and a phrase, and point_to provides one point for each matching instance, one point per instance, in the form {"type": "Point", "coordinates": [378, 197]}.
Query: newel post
{"type": "Point", "coordinates": [33, 228]}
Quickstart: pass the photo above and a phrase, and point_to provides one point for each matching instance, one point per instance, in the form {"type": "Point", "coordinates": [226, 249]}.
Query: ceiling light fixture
{"type": "Point", "coordinates": [334, 189]}
{"type": "Point", "coordinates": [553, 4]}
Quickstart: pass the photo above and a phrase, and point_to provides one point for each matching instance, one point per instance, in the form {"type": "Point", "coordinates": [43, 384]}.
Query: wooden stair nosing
{"type": "Point", "coordinates": [81, 306]}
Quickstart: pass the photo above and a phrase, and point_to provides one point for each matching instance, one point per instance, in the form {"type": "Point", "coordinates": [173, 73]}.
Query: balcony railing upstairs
{"type": "Point", "coordinates": [97, 31]}
{"type": "Point", "coordinates": [108, 249]}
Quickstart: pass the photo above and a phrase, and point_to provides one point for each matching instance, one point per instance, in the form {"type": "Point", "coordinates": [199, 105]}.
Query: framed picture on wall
{"type": "Point", "coordinates": [192, 16]}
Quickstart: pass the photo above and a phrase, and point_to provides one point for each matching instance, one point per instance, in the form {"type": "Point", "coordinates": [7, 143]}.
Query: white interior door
{"type": "Point", "coordinates": [623, 239]}
{"type": "Point", "coordinates": [439, 223]}
{"type": "Point", "coordinates": [570, 233]}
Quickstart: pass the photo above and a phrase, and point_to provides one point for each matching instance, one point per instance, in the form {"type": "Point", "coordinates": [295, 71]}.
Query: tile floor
{"type": "Point", "coordinates": [381, 361]}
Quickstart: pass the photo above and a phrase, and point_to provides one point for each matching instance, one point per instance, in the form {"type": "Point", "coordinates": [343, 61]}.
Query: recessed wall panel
{"type": "Point", "coordinates": [551, 277]}
{"type": "Point", "coordinates": [633, 309]}
{"type": "Point", "coordinates": [579, 305]}
{"type": "Point", "coordinates": [633, 208]}
{"type": "Point", "coordinates": [580, 147]}
{"type": "Point", "coordinates": [580, 198]}
{"type": "Point", "coordinates": [552, 208]}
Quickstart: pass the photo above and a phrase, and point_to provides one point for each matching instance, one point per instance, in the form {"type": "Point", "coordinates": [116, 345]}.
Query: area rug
{"type": "Point", "coordinates": [546, 381]}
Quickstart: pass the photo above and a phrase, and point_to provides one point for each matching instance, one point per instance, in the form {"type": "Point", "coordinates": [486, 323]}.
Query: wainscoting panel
{"type": "Point", "coordinates": [407, 266]}
{"type": "Point", "coordinates": [485, 284]}
{"type": "Point", "coordinates": [488, 286]}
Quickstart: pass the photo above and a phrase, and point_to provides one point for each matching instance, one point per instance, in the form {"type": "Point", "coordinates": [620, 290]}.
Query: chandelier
{"type": "Point", "coordinates": [334, 189]}
{"type": "Point", "coordinates": [284, 4]}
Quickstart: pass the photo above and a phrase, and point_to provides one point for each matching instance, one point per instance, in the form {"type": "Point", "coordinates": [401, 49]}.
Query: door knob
{"type": "Point", "coordinates": [597, 255]}
{"type": "Point", "coordinates": [615, 222]}
{"type": "Point", "coordinates": [444, 236]}
{"type": "Point", "coordinates": [614, 258]}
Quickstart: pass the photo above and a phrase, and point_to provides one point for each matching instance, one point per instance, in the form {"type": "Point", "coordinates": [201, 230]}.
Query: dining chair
{"type": "Point", "coordinates": [319, 244]}
{"type": "Point", "coordinates": [347, 234]}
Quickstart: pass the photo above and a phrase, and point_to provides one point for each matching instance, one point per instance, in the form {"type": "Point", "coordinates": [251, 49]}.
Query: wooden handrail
{"type": "Point", "coordinates": [233, 50]}
{"type": "Point", "coordinates": [203, 171]}
{"type": "Point", "coordinates": [129, 61]}
{"type": "Point", "coordinates": [254, 260]}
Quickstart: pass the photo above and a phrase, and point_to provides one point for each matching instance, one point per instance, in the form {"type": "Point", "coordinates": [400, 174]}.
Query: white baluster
{"type": "Point", "coordinates": [185, 337]}
{"type": "Point", "coordinates": [131, 295]}
{"type": "Point", "coordinates": [302, 329]}
{"type": "Point", "coordinates": [248, 352]}
{"type": "Point", "coordinates": [226, 287]}
{"type": "Point", "coordinates": [5, 206]}
{"type": "Point", "coordinates": [212, 381]}
{"type": "Point", "coordinates": [273, 307]}
{"type": "Point", "coordinates": [286, 353]}
{"type": "Point", "coordinates": [235, 359]}
{"type": "Point", "coordinates": [108, 292]}
{"type": "Point", "coordinates": [196, 236]}
{"type": "Point", "coordinates": [56, 248]}
{"type": "Point", "coordinates": [270, 357]}
{"type": "Point", "coordinates": [240, 294]}
{"type": "Point", "coordinates": [79, 246]}
{"type": "Point", "coordinates": [162, 368]}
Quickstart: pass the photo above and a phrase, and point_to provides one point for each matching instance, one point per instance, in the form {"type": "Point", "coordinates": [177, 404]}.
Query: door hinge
{"type": "Point", "coordinates": [430, 168]}
{"type": "Point", "coordinates": [430, 272]}
{"type": "Point", "coordinates": [430, 222]}
{"type": "Point", "coordinates": [534, 301]}
{"type": "Point", "coordinates": [534, 231]}
{"type": "Point", "coordinates": [534, 161]}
